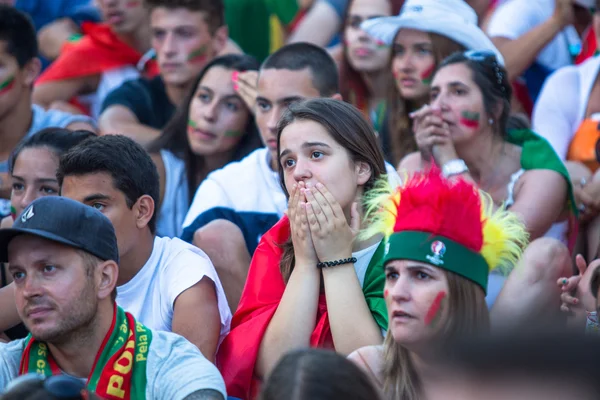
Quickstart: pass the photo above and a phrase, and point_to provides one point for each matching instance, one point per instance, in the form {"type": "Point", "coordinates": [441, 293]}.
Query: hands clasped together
{"type": "Point", "coordinates": [319, 229]}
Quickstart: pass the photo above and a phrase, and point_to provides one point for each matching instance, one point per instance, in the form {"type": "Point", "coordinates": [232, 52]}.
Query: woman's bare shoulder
{"type": "Point", "coordinates": [370, 360]}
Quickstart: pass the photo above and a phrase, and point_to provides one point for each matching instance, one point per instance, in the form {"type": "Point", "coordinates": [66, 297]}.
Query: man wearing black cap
{"type": "Point", "coordinates": [63, 257]}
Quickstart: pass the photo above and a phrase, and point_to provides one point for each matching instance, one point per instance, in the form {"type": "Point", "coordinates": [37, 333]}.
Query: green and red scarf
{"type": "Point", "coordinates": [120, 367]}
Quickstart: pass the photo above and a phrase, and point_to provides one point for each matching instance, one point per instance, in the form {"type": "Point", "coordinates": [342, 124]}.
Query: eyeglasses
{"type": "Point", "coordinates": [62, 387]}
{"type": "Point", "coordinates": [488, 56]}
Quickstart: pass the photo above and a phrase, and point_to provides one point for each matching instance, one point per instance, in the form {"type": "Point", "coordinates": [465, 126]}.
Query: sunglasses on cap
{"type": "Point", "coordinates": [61, 387]}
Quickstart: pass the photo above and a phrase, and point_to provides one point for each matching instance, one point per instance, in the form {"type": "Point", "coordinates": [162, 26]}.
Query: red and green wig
{"type": "Point", "coordinates": [446, 223]}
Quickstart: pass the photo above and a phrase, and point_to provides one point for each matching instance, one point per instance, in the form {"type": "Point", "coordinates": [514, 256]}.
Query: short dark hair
{"type": "Point", "coordinates": [130, 166]}
{"type": "Point", "coordinates": [317, 374]}
{"type": "Point", "coordinates": [214, 9]}
{"type": "Point", "coordinates": [17, 30]}
{"type": "Point", "coordinates": [298, 56]}
{"type": "Point", "coordinates": [58, 140]}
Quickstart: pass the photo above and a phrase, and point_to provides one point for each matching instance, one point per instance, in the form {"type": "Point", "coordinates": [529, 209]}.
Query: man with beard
{"type": "Point", "coordinates": [64, 258]}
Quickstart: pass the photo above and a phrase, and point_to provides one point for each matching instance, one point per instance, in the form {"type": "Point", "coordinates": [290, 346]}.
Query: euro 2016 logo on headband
{"type": "Point", "coordinates": [438, 249]}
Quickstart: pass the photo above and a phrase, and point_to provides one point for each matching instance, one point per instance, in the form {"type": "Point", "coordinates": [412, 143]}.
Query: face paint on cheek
{"type": "Point", "coordinates": [233, 134]}
{"type": "Point", "coordinates": [470, 119]}
{"type": "Point", "coordinates": [132, 4]}
{"type": "Point", "coordinates": [198, 55]}
{"type": "Point", "coordinates": [385, 293]}
{"type": "Point", "coordinates": [435, 310]}
{"type": "Point", "coordinates": [13, 213]}
{"type": "Point", "coordinates": [7, 85]}
{"type": "Point", "coordinates": [427, 75]}
{"type": "Point", "coordinates": [380, 44]}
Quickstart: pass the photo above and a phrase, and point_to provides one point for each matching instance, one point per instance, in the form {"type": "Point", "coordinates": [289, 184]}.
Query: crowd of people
{"type": "Point", "coordinates": [307, 199]}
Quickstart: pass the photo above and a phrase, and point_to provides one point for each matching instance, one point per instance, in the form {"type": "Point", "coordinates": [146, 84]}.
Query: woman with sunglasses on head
{"type": "Point", "coordinates": [421, 36]}
{"type": "Point", "coordinates": [211, 128]}
{"type": "Point", "coordinates": [463, 130]}
{"type": "Point", "coordinates": [442, 239]}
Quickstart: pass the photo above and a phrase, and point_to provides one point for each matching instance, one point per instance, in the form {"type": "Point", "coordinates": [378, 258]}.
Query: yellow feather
{"type": "Point", "coordinates": [504, 235]}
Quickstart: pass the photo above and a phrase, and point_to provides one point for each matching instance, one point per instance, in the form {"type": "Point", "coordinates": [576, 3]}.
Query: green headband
{"type": "Point", "coordinates": [438, 251]}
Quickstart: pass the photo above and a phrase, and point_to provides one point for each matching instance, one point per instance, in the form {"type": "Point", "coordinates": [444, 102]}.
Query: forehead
{"type": "Point", "coordinates": [78, 187]}
{"type": "Point", "coordinates": [407, 35]}
{"type": "Point", "coordinates": [277, 84]}
{"type": "Point", "coordinates": [371, 7]}
{"type": "Point", "coordinates": [41, 160]}
{"type": "Point", "coordinates": [458, 72]}
{"type": "Point", "coordinates": [301, 131]}
{"type": "Point", "coordinates": [217, 77]}
{"type": "Point", "coordinates": [170, 18]}
{"type": "Point", "coordinates": [27, 249]}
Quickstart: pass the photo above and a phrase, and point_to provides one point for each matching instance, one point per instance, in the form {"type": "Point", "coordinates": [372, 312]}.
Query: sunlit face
{"type": "Point", "coordinates": [277, 89]}
{"type": "Point", "coordinates": [416, 295]}
{"type": "Point", "coordinates": [413, 63]}
{"type": "Point", "coordinates": [183, 43]}
{"type": "Point", "coordinates": [309, 154]}
{"type": "Point", "coordinates": [123, 16]}
{"type": "Point", "coordinates": [98, 191]}
{"type": "Point", "coordinates": [460, 100]}
{"type": "Point", "coordinates": [12, 82]}
{"type": "Point", "coordinates": [54, 293]}
{"type": "Point", "coordinates": [364, 53]}
{"type": "Point", "coordinates": [34, 175]}
{"type": "Point", "coordinates": [217, 114]}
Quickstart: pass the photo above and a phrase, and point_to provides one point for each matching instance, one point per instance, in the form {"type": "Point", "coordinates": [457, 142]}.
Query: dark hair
{"type": "Point", "coordinates": [174, 136]}
{"type": "Point", "coordinates": [492, 80]}
{"type": "Point", "coordinates": [399, 126]}
{"type": "Point", "coordinates": [314, 374]}
{"type": "Point", "coordinates": [58, 140]}
{"type": "Point", "coordinates": [348, 127]}
{"type": "Point", "coordinates": [353, 88]}
{"type": "Point", "coordinates": [214, 9]}
{"type": "Point", "coordinates": [130, 166]}
{"type": "Point", "coordinates": [298, 56]}
{"type": "Point", "coordinates": [595, 281]}
{"type": "Point", "coordinates": [17, 30]}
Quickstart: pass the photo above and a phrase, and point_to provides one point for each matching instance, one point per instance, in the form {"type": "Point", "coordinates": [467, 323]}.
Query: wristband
{"type": "Point", "coordinates": [324, 264]}
{"type": "Point", "coordinates": [454, 167]}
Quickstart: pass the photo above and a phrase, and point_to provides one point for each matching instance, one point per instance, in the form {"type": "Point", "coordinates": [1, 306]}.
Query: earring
{"type": "Point", "coordinates": [491, 121]}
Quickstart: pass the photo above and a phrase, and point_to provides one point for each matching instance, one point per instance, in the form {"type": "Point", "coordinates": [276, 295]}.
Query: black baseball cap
{"type": "Point", "coordinates": [64, 221]}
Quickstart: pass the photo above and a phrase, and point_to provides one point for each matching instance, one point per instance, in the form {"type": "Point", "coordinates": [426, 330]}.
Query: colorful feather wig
{"type": "Point", "coordinates": [446, 223]}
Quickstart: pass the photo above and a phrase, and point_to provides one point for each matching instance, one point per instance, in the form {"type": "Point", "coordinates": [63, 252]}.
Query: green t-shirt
{"type": "Point", "coordinates": [249, 22]}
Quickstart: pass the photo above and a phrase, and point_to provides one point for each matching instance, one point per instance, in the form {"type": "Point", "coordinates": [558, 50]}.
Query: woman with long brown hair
{"type": "Point", "coordinates": [364, 66]}
{"type": "Point", "coordinates": [442, 239]}
{"type": "Point", "coordinates": [425, 32]}
{"type": "Point", "coordinates": [310, 283]}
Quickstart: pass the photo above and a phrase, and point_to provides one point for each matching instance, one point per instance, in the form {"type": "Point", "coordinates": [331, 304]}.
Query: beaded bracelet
{"type": "Point", "coordinates": [324, 264]}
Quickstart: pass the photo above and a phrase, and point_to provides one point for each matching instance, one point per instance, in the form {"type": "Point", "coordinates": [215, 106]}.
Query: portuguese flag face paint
{"type": "Point", "coordinates": [133, 4]}
{"type": "Point", "coordinates": [434, 314]}
{"type": "Point", "coordinates": [233, 134]}
{"type": "Point", "coordinates": [7, 85]}
{"type": "Point", "coordinates": [380, 44]}
{"type": "Point", "coordinates": [198, 55]}
{"type": "Point", "coordinates": [470, 119]}
{"type": "Point", "coordinates": [427, 75]}
{"type": "Point", "coordinates": [192, 124]}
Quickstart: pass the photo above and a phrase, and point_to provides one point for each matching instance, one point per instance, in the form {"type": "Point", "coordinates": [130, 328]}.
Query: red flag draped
{"type": "Point", "coordinates": [99, 50]}
{"type": "Point", "coordinates": [261, 296]}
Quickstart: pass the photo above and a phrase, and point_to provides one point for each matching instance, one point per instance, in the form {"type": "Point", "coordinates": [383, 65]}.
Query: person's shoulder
{"type": "Point", "coordinates": [370, 360]}
{"type": "Point", "coordinates": [48, 118]}
{"type": "Point", "coordinates": [176, 368]}
{"type": "Point", "coordinates": [10, 358]}
{"type": "Point", "coordinates": [175, 250]}
{"type": "Point", "coordinates": [410, 163]}
{"type": "Point", "coordinates": [233, 173]}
